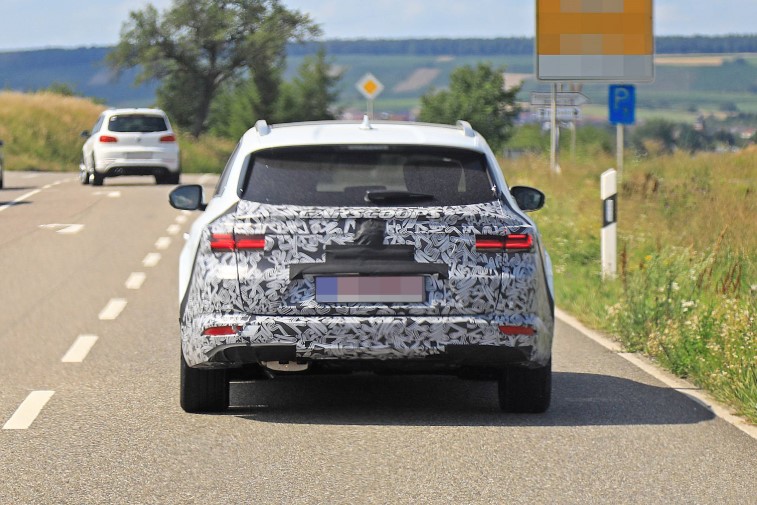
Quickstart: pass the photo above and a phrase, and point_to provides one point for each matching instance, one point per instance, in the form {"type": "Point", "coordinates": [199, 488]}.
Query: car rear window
{"type": "Point", "coordinates": [137, 123]}
{"type": "Point", "coordinates": [368, 175]}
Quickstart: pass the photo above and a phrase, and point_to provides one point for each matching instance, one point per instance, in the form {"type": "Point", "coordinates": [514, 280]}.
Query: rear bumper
{"type": "Point", "coordinates": [115, 168]}
{"type": "Point", "coordinates": [464, 341]}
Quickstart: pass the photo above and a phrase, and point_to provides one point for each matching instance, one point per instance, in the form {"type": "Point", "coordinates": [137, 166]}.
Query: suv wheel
{"type": "Point", "coordinates": [203, 390]}
{"type": "Point", "coordinates": [525, 390]}
{"type": "Point", "coordinates": [97, 179]}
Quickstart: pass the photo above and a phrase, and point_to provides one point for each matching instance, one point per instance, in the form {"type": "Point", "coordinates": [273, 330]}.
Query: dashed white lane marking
{"type": "Point", "coordinates": [135, 280]}
{"type": "Point", "coordinates": [205, 178]}
{"type": "Point", "coordinates": [174, 229]}
{"type": "Point", "coordinates": [64, 229]}
{"type": "Point", "coordinates": [181, 219]}
{"type": "Point", "coordinates": [163, 243]}
{"type": "Point", "coordinates": [28, 411]}
{"type": "Point", "coordinates": [79, 349]}
{"type": "Point", "coordinates": [109, 194]}
{"type": "Point", "coordinates": [71, 229]}
{"type": "Point", "coordinates": [151, 259]}
{"type": "Point", "coordinates": [113, 309]}
{"type": "Point", "coordinates": [19, 199]}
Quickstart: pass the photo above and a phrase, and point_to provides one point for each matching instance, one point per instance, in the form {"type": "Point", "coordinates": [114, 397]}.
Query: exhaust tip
{"type": "Point", "coordinates": [285, 366]}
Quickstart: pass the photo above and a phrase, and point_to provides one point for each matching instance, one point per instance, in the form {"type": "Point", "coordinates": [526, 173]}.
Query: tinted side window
{"type": "Point", "coordinates": [343, 175]}
{"type": "Point", "coordinates": [137, 123]}
{"type": "Point", "coordinates": [220, 187]}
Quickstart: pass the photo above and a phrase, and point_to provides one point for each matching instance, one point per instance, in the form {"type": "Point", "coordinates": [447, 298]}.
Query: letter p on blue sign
{"type": "Point", "coordinates": [622, 104]}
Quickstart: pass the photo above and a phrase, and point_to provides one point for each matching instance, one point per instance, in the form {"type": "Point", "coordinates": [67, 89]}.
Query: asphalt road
{"type": "Point", "coordinates": [82, 280]}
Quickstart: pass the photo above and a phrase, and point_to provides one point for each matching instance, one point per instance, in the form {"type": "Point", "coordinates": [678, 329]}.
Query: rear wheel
{"type": "Point", "coordinates": [203, 390]}
{"type": "Point", "coordinates": [525, 390]}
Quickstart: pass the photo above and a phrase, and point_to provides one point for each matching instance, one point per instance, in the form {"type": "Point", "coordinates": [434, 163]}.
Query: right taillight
{"type": "Point", "coordinates": [504, 243]}
{"type": "Point", "coordinates": [107, 139]}
{"type": "Point", "coordinates": [221, 242]}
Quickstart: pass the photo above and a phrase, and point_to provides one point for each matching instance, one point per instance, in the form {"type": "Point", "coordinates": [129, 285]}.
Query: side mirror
{"type": "Point", "coordinates": [528, 199]}
{"type": "Point", "coordinates": [84, 134]}
{"type": "Point", "coordinates": [187, 197]}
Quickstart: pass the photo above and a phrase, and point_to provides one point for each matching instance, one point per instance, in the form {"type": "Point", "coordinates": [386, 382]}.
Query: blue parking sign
{"type": "Point", "coordinates": [622, 104]}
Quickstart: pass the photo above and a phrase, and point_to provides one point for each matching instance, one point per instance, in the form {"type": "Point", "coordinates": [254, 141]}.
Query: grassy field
{"type": "Point", "coordinates": [686, 294]}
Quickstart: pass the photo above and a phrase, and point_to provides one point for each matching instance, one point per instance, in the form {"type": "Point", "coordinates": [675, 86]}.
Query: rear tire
{"type": "Point", "coordinates": [97, 179]}
{"type": "Point", "coordinates": [525, 390]}
{"type": "Point", "coordinates": [203, 390]}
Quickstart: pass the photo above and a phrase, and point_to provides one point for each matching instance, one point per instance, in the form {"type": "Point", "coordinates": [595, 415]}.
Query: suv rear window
{"type": "Point", "coordinates": [368, 175]}
{"type": "Point", "coordinates": [137, 123]}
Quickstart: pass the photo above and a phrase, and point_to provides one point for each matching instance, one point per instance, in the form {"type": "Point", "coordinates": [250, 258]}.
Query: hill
{"type": "Point", "coordinates": [695, 75]}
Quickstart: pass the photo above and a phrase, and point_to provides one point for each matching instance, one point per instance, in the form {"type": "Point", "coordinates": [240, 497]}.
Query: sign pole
{"type": "Point", "coordinates": [620, 148]}
{"type": "Point", "coordinates": [553, 133]}
{"type": "Point", "coordinates": [609, 195]}
{"type": "Point", "coordinates": [370, 108]}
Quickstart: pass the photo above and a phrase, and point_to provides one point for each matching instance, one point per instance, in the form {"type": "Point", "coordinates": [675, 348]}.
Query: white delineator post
{"type": "Point", "coordinates": [609, 195]}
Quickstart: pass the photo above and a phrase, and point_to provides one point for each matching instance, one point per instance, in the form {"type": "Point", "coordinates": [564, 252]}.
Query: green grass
{"type": "Point", "coordinates": [686, 293]}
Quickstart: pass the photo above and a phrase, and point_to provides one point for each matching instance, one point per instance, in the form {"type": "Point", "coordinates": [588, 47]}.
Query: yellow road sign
{"type": "Point", "coordinates": [369, 86]}
{"type": "Point", "coordinates": [603, 40]}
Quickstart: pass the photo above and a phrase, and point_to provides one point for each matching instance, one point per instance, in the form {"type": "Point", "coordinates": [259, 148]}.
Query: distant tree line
{"type": "Point", "coordinates": [510, 46]}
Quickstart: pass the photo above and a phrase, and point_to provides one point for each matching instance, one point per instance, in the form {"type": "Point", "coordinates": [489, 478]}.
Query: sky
{"type": "Point", "coordinates": [35, 24]}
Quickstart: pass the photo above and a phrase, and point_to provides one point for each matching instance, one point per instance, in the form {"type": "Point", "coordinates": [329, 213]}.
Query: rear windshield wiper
{"type": "Point", "coordinates": [382, 196]}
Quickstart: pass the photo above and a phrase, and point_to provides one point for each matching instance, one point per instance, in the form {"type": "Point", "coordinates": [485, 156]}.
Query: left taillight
{"type": "Point", "coordinates": [107, 139]}
{"type": "Point", "coordinates": [168, 138]}
{"type": "Point", "coordinates": [222, 242]}
{"type": "Point", "coordinates": [506, 243]}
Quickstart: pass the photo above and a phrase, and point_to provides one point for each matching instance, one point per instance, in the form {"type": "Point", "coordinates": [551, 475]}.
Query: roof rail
{"type": "Point", "coordinates": [466, 128]}
{"type": "Point", "coordinates": [262, 127]}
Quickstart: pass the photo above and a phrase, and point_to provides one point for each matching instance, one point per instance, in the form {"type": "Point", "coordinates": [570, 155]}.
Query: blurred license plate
{"type": "Point", "coordinates": [369, 289]}
{"type": "Point", "coordinates": [138, 156]}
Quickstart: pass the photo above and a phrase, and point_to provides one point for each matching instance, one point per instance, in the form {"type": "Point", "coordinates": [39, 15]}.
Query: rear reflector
{"type": "Point", "coordinates": [107, 139]}
{"type": "Point", "coordinates": [219, 331]}
{"type": "Point", "coordinates": [494, 243]}
{"type": "Point", "coordinates": [168, 138]}
{"type": "Point", "coordinates": [221, 242]}
{"type": "Point", "coordinates": [516, 330]}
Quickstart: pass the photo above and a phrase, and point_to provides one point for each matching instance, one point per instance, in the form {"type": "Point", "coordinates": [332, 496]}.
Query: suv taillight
{"type": "Point", "coordinates": [220, 242]}
{"type": "Point", "coordinates": [510, 243]}
{"type": "Point", "coordinates": [107, 139]}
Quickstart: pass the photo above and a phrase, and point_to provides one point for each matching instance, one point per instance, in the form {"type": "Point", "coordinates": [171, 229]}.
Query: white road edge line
{"type": "Point", "coordinates": [135, 280]}
{"type": "Point", "coordinates": [163, 243]}
{"type": "Point", "coordinates": [686, 388]}
{"type": "Point", "coordinates": [20, 199]}
{"type": "Point", "coordinates": [112, 310]}
{"type": "Point", "coordinates": [28, 411]}
{"type": "Point", "coordinates": [151, 259]}
{"type": "Point", "coordinates": [79, 349]}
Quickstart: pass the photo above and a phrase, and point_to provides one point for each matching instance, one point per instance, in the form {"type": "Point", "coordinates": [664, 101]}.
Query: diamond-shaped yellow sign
{"type": "Point", "coordinates": [369, 86]}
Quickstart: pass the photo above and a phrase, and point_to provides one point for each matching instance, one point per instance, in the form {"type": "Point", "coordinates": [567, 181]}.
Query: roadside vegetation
{"type": "Point", "coordinates": [686, 292]}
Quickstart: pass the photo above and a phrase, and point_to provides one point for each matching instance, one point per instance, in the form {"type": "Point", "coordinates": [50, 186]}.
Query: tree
{"type": "Point", "coordinates": [478, 95]}
{"type": "Point", "coordinates": [197, 46]}
{"type": "Point", "coordinates": [311, 94]}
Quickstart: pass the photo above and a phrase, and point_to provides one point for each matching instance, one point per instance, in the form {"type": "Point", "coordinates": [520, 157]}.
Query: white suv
{"type": "Point", "coordinates": [388, 247]}
{"type": "Point", "coordinates": [130, 142]}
